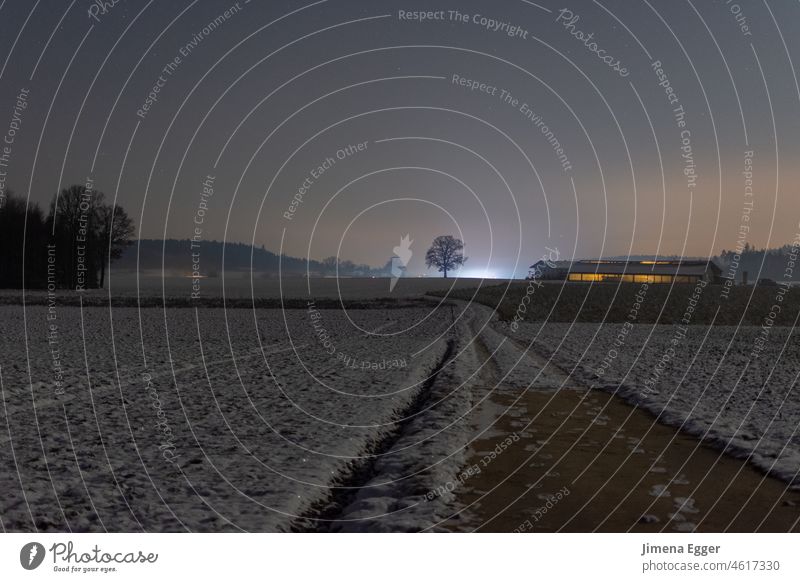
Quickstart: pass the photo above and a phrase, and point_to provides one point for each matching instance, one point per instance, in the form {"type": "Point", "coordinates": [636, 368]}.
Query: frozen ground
{"type": "Point", "coordinates": [207, 419]}
{"type": "Point", "coordinates": [708, 383]}
{"type": "Point", "coordinates": [245, 421]}
{"type": "Point", "coordinates": [324, 419]}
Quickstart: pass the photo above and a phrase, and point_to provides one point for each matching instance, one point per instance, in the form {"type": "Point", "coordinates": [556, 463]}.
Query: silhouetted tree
{"type": "Point", "coordinates": [116, 232]}
{"type": "Point", "coordinates": [346, 267]}
{"type": "Point", "coordinates": [23, 244]}
{"type": "Point", "coordinates": [446, 253]}
{"type": "Point", "coordinates": [758, 263]}
{"type": "Point", "coordinates": [329, 265]}
{"type": "Point", "coordinates": [73, 221]}
{"type": "Point", "coordinates": [87, 235]}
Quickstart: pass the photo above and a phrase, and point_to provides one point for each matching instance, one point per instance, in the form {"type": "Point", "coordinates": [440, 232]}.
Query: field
{"type": "Point", "coordinates": [198, 419]}
{"type": "Point", "coordinates": [611, 303]}
{"type": "Point", "coordinates": [366, 414]}
{"type": "Point", "coordinates": [707, 382]}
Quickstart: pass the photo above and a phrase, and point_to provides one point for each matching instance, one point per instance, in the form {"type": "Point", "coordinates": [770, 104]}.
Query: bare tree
{"type": "Point", "coordinates": [70, 248]}
{"type": "Point", "coordinates": [73, 222]}
{"type": "Point", "coordinates": [329, 264]}
{"type": "Point", "coordinates": [88, 234]}
{"type": "Point", "coordinates": [346, 267]}
{"type": "Point", "coordinates": [446, 253]}
{"type": "Point", "coordinates": [116, 230]}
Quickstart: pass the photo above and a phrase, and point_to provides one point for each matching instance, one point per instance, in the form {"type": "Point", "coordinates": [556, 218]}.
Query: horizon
{"type": "Point", "coordinates": [470, 273]}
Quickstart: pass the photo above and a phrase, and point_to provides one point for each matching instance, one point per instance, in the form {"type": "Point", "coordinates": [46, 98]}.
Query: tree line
{"type": "Point", "coordinates": [172, 255]}
{"type": "Point", "coordinates": [70, 247]}
{"type": "Point", "coordinates": [758, 263]}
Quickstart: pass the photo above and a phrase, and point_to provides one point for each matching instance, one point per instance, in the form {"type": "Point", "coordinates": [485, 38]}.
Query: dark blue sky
{"type": "Point", "coordinates": [265, 93]}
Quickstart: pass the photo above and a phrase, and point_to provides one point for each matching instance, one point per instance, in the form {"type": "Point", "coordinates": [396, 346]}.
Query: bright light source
{"type": "Point", "coordinates": [477, 274]}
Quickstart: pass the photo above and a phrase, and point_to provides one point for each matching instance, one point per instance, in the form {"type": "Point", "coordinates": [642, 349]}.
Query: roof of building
{"type": "Point", "coordinates": [676, 267]}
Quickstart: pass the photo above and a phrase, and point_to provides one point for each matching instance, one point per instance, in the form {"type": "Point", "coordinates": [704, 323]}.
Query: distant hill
{"type": "Point", "coordinates": [176, 257]}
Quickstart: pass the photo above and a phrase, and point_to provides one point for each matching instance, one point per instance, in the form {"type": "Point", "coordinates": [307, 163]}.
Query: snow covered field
{"type": "Point", "coordinates": [200, 419]}
{"type": "Point", "coordinates": [325, 419]}
{"type": "Point", "coordinates": [733, 387]}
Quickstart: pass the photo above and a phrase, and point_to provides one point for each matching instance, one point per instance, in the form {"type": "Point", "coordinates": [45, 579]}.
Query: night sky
{"type": "Point", "coordinates": [595, 128]}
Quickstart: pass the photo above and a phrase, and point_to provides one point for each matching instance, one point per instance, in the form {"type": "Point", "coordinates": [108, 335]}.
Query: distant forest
{"type": "Point", "coordinates": [76, 241]}
{"type": "Point", "coordinates": [757, 263]}
{"type": "Point", "coordinates": [175, 256]}
{"type": "Point", "coordinates": [70, 247]}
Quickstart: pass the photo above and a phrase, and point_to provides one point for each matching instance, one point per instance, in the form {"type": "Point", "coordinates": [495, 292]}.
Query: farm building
{"type": "Point", "coordinates": [598, 271]}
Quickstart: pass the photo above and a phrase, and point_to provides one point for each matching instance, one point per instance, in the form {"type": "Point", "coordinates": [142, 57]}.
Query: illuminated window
{"type": "Point", "coordinates": [631, 278]}
{"type": "Point", "coordinates": [640, 278]}
{"type": "Point", "coordinates": [586, 277]}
